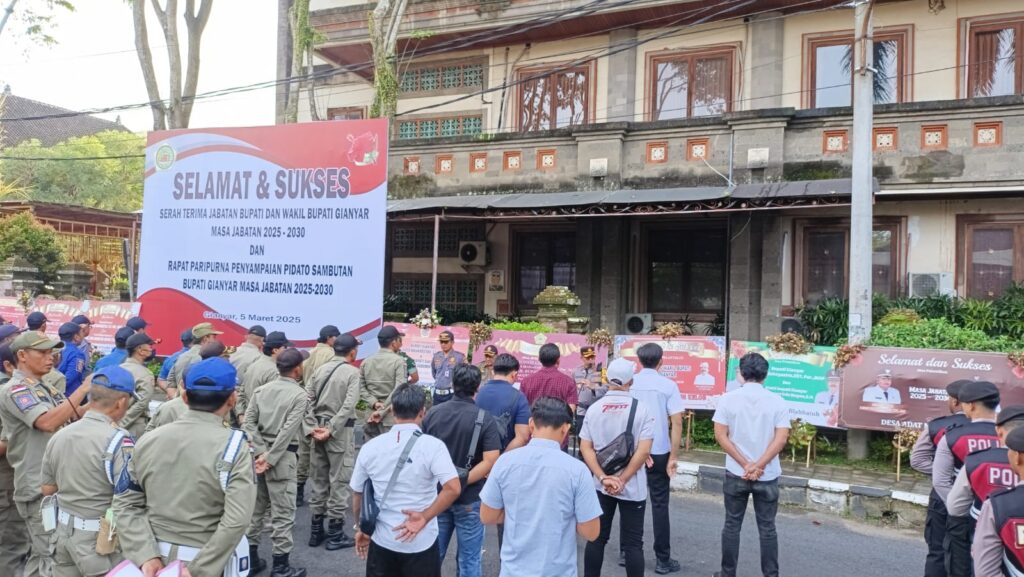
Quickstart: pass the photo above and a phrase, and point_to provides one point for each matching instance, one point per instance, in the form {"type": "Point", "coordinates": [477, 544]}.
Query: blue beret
{"type": "Point", "coordinates": [116, 379]}
{"type": "Point", "coordinates": [213, 374]}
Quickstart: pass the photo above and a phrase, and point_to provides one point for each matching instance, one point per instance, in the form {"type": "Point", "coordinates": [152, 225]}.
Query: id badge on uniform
{"type": "Point", "coordinates": [48, 512]}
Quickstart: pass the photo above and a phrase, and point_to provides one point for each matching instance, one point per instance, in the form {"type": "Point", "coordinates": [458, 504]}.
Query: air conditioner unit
{"type": "Point", "coordinates": [473, 253]}
{"type": "Point", "coordinates": [931, 284]}
{"type": "Point", "coordinates": [639, 323]}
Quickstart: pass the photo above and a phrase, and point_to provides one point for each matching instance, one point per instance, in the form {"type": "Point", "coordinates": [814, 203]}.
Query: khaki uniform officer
{"type": "Point", "coordinates": [173, 409]}
{"type": "Point", "coordinates": [247, 353]}
{"type": "Point", "coordinates": [262, 371]}
{"type": "Point", "coordinates": [381, 374]}
{"type": "Point", "coordinates": [85, 464]}
{"type": "Point", "coordinates": [191, 491]}
{"type": "Point", "coordinates": [333, 392]}
{"type": "Point", "coordinates": [201, 334]}
{"type": "Point", "coordinates": [31, 413]}
{"type": "Point", "coordinates": [13, 539]}
{"type": "Point", "coordinates": [321, 353]}
{"type": "Point", "coordinates": [275, 420]}
{"type": "Point", "coordinates": [139, 348]}
{"type": "Point", "coordinates": [442, 367]}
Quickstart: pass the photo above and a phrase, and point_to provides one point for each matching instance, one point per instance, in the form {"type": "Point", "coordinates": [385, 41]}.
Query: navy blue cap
{"type": "Point", "coordinates": [388, 332]}
{"type": "Point", "coordinates": [328, 332]}
{"type": "Point", "coordinates": [345, 343]}
{"type": "Point", "coordinates": [186, 336]}
{"type": "Point", "coordinates": [122, 335]}
{"type": "Point", "coordinates": [276, 339]}
{"type": "Point", "coordinates": [137, 340]}
{"type": "Point", "coordinates": [81, 320]}
{"type": "Point", "coordinates": [8, 330]}
{"type": "Point", "coordinates": [953, 389]}
{"type": "Point", "coordinates": [258, 330]}
{"type": "Point", "coordinates": [1010, 413]}
{"type": "Point", "coordinates": [116, 379]}
{"type": "Point", "coordinates": [68, 330]}
{"type": "Point", "coordinates": [213, 374]}
{"type": "Point", "coordinates": [35, 320]}
{"type": "Point", "coordinates": [975, 391]}
{"type": "Point", "coordinates": [136, 323]}
{"type": "Point", "coordinates": [288, 359]}
{"type": "Point", "coordinates": [1015, 439]}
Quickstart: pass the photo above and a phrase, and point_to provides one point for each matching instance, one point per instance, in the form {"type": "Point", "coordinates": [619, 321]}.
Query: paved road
{"type": "Point", "coordinates": [812, 545]}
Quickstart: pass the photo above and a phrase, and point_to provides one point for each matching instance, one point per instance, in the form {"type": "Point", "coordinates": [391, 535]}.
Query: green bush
{"type": "Point", "coordinates": [1009, 312]}
{"type": "Point", "coordinates": [939, 334]}
{"type": "Point", "coordinates": [826, 322]}
{"type": "Point", "coordinates": [977, 315]}
{"type": "Point", "coordinates": [23, 236]}
{"type": "Point", "coordinates": [899, 317]}
{"type": "Point", "coordinates": [528, 327]}
{"type": "Point", "coordinates": [703, 431]}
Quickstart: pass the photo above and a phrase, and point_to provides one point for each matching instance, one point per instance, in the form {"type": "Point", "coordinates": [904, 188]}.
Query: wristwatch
{"type": "Point", "coordinates": [356, 528]}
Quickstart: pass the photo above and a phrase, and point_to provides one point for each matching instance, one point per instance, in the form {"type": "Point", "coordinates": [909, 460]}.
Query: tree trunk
{"type": "Point", "coordinates": [7, 15]}
{"type": "Point", "coordinates": [168, 18]}
{"type": "Point", "coordinates": [195, 23]}
{"type": "Point", "coordinates": [156, 104]}
{"type": "Point", "coordinates": [314, 114]}
{"type": "Point", "coordinates": [284, 58]}
{"type": "Point", "coordinates": [291, 115]}
{"type": "Point", "coordinates": [384, 24]}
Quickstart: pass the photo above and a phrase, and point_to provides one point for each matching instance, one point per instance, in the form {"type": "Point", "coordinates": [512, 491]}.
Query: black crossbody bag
{"type": "Point", "coordinates": [369, 510]}
{"type": "Point", "coordinates": [464, 471]}
{"type": "Point", "coordinates": [614, 456]}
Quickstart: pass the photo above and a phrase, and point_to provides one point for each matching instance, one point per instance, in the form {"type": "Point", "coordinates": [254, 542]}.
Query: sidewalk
{"type": "Point", "coordinates": [860, 493]}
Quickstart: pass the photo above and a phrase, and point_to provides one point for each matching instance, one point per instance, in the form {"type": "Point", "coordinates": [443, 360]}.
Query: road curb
{"type": "Point", "coordinates": [859, 501]}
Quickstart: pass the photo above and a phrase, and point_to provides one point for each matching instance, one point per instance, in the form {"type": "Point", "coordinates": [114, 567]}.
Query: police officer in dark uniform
{"type": "Point", "coordinates": [443, 366]}
{"type": "Point", "coordinates": [979, 400]}
{"type": "Point", "coordinates": [921, 458]}
{"type": "Point", "coordinates": [999, 539]}
{"type": "Point", "coordinates": [984, 473]}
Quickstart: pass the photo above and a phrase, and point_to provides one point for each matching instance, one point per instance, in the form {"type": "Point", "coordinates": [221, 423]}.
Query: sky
{"type": "Point", "coordinates": [94, 64]}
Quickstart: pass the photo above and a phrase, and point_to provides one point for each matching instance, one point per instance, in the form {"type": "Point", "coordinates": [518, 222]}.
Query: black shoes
{"type": "Point", "coordinates": [317, 535]}
{"type": "Point", "coordinates": [283, 569]}
{"type": "Point", "coordinates": [666, 567]}
{"type": "Point", "coordinates": [336, 537]}
{"type": "Point", "coordinates": [256, 565]}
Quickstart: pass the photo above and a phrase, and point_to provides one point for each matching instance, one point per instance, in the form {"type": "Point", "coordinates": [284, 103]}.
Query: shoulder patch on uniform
{"type": "Point", "coordinates": [81, 365]}
{"type": "Point", "coordinates": [24, 400]}
{"type": "Point", "coordinates": [17, 388]}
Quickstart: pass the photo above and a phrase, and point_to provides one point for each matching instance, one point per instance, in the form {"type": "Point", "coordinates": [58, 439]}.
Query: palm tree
{"type": "Point", "coordinates": [886, 62]}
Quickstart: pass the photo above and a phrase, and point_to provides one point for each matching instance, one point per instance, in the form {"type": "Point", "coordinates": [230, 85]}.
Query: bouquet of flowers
{"type": "Point", "coordinates": [426, 319]}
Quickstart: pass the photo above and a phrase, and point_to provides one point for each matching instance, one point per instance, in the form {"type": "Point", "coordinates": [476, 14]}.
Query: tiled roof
{"type": "Point", "coordinates": [48, 131]}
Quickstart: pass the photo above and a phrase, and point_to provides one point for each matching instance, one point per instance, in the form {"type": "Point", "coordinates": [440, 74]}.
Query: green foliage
{"type": "Point", "coordinates": [23, 236]}
{"type": "Point", "coordinates": [110, 184]}
{"type": "Point", "coordinates": [880, 448]}
{"type": "Point", "coordinates": [933, 307]}
{"type": "Point", "coordinates": [827, 322]}
{"type": "Point", "coordinates": [703, 431]}
{"type": "Point", "coordinates": [527, 327]}
{"type": "Point", "coordinates": [34, 20]}
{"type": "Point", "coordinates": [154, 367]}
{"type": "Point", "coordinates": [899, 317]}
{"type": "Point", "coordinates": [716, 328]}
{"type": "Point", "coordinates": [1009, 312]}
{"type": "Point", "coordinates": [977, 315]}
{"type": "Point", "coordinates": [939, 334]}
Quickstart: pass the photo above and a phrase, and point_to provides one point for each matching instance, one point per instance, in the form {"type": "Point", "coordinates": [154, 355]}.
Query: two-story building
{"type": "Point", "coordinates": [689, 159]}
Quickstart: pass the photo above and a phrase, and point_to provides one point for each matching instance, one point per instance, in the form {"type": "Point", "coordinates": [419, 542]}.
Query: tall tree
{"type": "Point", "coordinates": [36, 16]}
{"type": "Point", "coordinates": [303, 37]}
{"type": "Point", "coordinates": [176, 111]}
{"type": "Point", "coordinates": [98, 171]}
{"type": "Point", "coordinates": [385, 20]}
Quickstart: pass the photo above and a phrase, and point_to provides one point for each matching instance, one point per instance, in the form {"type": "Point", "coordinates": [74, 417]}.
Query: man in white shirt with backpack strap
{"type": "Point", "coordinates": [404, 468]}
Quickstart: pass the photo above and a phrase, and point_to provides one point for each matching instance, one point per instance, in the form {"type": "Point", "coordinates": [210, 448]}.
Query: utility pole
{"type": "Point", "coordinates": [861, 208]}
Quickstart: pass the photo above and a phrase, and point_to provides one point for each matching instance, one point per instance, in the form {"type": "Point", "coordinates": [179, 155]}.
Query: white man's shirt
{"type": "Point", "coordinates": [429, 465]}
{"type": "Point", "coordinates": [875, 394]}
{"type": "Point", "coordinates": [752, 414]}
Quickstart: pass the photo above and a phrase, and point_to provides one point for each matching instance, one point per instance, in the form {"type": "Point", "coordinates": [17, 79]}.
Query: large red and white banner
{"type": "Point", "coordinates": [281, 226]}
{"type": "Point", "coordinates": [525, 347]}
